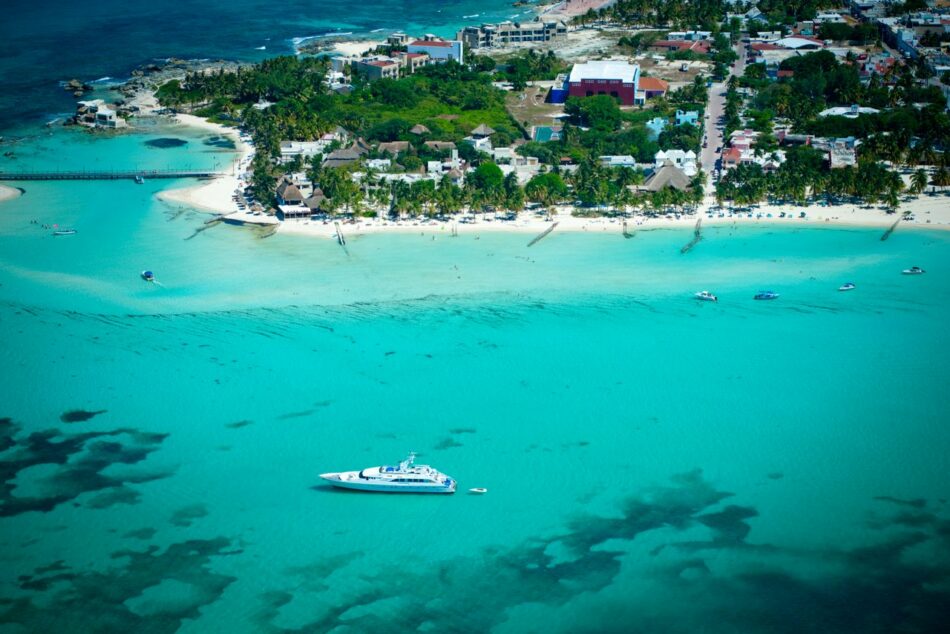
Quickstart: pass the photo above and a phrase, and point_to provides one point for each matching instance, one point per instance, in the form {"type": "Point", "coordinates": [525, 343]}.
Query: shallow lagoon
{"type": "Point", "coordinates": [652, 462]}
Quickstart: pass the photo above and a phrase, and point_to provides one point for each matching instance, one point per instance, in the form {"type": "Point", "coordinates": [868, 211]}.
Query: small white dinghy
{"type": "Point", "coordinates": [478, 490]}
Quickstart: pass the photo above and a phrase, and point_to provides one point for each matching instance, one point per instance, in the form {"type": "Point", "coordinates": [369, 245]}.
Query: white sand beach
{"type": "Point", "coordinates": [567, 9]}
{"type": "Point", "coordinates": [9, 193]}
{"type": "Point", "coordinates": [930, 210]}
{"type": "Point", "coordinates": [354, 48]}
{"type": "Point", "coordinates": [926, 212]}
{"type": "Point", "coordinates": [215, 195]}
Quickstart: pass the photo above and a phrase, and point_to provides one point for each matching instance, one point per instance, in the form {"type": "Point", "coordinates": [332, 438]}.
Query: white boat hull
{"type": "Point", "coordinates": [351, 480]}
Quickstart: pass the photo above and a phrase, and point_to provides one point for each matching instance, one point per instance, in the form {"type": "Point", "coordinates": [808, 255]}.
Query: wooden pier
{"type": "Point", "coordinates": [626, 233]}
{"type": "Point", "coordinates": [542, 235]}
{"type": "Point", "coordinates": [697, 236]}
{"type": "Point", "coordinates": [890, 230]}
{"type": "Point", "coordinates": [110, 175]}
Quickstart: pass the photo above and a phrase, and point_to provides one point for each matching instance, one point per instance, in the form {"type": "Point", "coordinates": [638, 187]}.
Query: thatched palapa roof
{"type": "Point", "coordinates": [667, 176]}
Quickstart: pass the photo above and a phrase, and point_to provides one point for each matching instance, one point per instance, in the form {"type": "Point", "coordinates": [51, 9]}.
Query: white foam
{"type": "Point", "coordinates": [297, 41]}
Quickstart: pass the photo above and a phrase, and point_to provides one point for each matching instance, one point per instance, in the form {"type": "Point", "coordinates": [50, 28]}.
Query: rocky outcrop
{"type": "Point", "coordinates": [76, 87]}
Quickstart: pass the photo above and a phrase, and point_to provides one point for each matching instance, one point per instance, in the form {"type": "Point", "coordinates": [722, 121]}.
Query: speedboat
{"type": "Point", "coordinates": [706, 296]}
{"type": "Point", "coordinates": [406, 477]}
{"type": "Point", "coordinates": [847, 286]}
{"type": "Point", "coordinates": [914, 270]}
{"type": "Point", "coordinates": [148, 276]}
{"type": "Point", "coordinates": [766, 295]}
{"type": "Point", "coordinates": [478, 490]}
{"type": "Point", "coordinates": [64, 232]}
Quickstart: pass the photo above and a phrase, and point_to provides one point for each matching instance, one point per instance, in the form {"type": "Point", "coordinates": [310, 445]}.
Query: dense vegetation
{"type": "Point", "coordinates": [530, 66]}
{"type": "Point", "coordinates": [912, 128]}
{"type": "Point", "coordinates": [804, 175]}
{"type": "Point", "coordinates": [702, 14]}
{"type": "Point", "coordinates": [908, 110]}
{"type": "Point", "coordinates": [685, 13]}
{"type": "Point", "coordinates": [449, 99]}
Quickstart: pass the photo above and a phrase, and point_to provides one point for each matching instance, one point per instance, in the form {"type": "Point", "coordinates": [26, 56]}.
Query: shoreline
{"type": "Point", "coordinates": [927, 211]}
{"type": "Point", "coordinates": [213, 196]}
{"type": "Point", "coordinates": [817, 216]}
{"type": "Point", "coordinates": [9, 193]}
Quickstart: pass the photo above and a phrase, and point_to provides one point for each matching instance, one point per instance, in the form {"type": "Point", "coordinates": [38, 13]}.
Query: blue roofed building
{"type": "Point", "coordinates": [691, 117]}
{"type": "Point", "coordinates": [655, 126]}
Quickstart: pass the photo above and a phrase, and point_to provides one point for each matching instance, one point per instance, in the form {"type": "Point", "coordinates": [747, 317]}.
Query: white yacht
{"type": "Point", "coordinates": [407, 477]}
{"type": "Point", "coordinates": [705, 296]}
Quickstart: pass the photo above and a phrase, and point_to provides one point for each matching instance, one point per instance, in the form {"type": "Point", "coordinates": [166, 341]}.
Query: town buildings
{"type": "Point", "coordinates": [438, 50]}
{"type": "Point", "coordinates": [619, 79]}
{"type": "Point", "coordinates": [686, 161]}
{"type": "Point", "coordinates": [690, 117]}
{"type": "Point", "coordinates": [376, 68]}
{"type": "Point", "coordinates": [510, 33]}
{"type": "Point", "coordinates": [651, 87]}
{"type": "Point", "coordinates": [96, 113]}
{"type": "Point", "coordinates": [674, 46]}
{"type": "Point", "coordinates": [418, 53]}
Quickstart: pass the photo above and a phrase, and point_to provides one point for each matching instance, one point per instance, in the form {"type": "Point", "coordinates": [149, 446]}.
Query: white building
{"type": "Point", "coordinates": [686, 161]}
{"type": "Point", "coordinates": [380, 165]}
{"type": "Point", "coordinates": [289, 150]}
{"type": "Point", "coordinates": [799, 43]}
{"type": "Point", "coordinates": [96, 114]}
{"type": "Point", "coordinates": [439, 50]}
{"type": "Point", "coordinates": [624, 160]}
{"type": "Point", "coordinates": [829, 17]}
{"type": "Point", "coordinates": [690, 36]}
{"type": "Point", "coordinates": [851, 112]}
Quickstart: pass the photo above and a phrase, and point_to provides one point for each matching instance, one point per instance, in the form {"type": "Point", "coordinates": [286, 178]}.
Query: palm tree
{"type": "Point", "coordinates": [941, 178]}
{"type": "Point", "coordinates": [918, 182]}
{"type": "Point", "coordinates": [892, 200]}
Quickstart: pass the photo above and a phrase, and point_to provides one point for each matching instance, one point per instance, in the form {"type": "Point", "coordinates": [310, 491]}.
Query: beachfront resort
{"type": "Point", "coordinates": [587, 115]}
{"type": "Point", "coordinates": [704, 120]}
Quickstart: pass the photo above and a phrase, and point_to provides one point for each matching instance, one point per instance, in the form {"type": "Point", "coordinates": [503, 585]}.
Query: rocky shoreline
{"type": "Point", "coordinates": [136, 96]}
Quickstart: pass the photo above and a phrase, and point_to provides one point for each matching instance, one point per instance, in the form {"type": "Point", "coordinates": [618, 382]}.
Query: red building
{"type": "Point", "coordinates": [615, 78]}
{"type": "Point", "coordinates": [699, 46]}
{"type": "Point", "coordinates": [653, 87]}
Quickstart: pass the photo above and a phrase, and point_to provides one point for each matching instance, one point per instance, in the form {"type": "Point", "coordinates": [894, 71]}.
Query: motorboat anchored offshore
{"type": "Point", "coordinates": [847, 286]}
{"type": "Point", "coordinates": [407, 477]}
{"type": "Point", "coordinates": [914, 270]}
{"type": "Point", "coordinates": [706, 296]}
{"type": "Point", "coordinates": [766, 295]}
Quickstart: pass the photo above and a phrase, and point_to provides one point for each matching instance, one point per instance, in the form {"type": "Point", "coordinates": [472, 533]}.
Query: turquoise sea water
{"type": "Point", "coordinates": [43, 43]}
{"type": "Point", "coordinates": [653, 463]}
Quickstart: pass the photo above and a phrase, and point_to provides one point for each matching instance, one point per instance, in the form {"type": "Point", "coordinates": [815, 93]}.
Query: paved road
{"type": "Point", "coordinates": [714, 109]}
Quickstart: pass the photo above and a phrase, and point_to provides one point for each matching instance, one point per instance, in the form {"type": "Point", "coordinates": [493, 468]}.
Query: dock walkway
{"type": "Point", "coordinates": [107, 175]}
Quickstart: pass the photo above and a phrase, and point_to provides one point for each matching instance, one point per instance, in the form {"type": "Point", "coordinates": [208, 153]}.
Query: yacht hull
{"type": "Point", "coordinates": [353, 482]}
